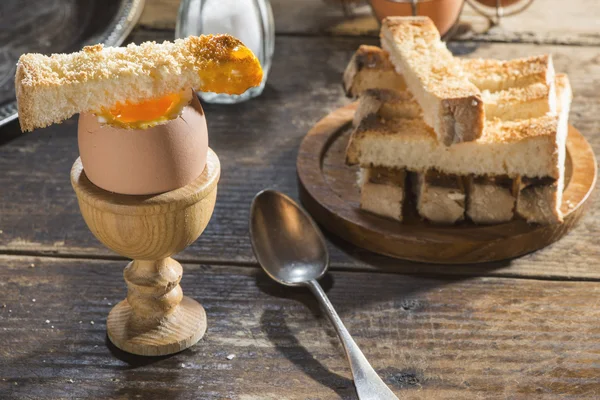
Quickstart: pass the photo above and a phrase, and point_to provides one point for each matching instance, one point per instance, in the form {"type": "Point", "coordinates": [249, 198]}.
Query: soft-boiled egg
{"type": "Point", "coordinates": [146, 148]}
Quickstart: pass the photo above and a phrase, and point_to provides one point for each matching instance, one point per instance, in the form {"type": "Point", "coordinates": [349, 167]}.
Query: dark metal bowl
{"type": "Point", "coordinates": [56, 26]}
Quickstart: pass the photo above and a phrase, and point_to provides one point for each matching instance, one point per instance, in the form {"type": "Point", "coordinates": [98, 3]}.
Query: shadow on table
{"type": "Point", "coordinates": [169, 375]}
{"type": "Point", "coordinates": [286, 342]}
{"type": "Point", "coordinates": [419, 278]}
{"type": "Point", "coordinates": [367, 259]}
{"type": "Point", "coordinates": [285, 339]}
{"type": "Point", "coordinates": [133, 360]}
{"type": "Point", "coordinates": [302, 357]}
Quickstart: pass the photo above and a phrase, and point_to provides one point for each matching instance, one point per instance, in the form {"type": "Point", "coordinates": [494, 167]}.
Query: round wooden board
{"type": "Point", "coordinates": [329, 192]}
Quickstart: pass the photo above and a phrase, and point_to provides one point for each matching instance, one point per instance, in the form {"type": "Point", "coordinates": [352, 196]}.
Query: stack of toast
{"type": "Point", "coordinates": [469, 139]}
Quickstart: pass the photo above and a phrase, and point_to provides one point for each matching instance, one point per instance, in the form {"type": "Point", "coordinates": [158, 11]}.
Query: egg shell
{"type": "Point", "coordinates": [144, 161]}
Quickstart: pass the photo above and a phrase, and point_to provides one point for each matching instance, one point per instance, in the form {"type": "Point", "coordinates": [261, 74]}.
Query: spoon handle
{"type": "Point", "coordinates": [369, 385]}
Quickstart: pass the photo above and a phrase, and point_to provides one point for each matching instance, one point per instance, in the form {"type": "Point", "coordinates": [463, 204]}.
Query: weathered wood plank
{"type": "Point", "coordinates": [546, 21]}
{"type": "Point", "coordinates": [257, 143]}
{"type": "Point", "coordinates": [429, 338]}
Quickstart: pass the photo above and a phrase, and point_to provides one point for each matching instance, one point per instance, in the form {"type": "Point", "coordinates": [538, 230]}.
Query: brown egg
{"type": "Point", "coordinates": [144, 161]}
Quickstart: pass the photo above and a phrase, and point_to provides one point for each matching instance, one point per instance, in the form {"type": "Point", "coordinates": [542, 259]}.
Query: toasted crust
{"type": "Point", "coordinates": [520, 102]}
{"type": "Point", "coordinates": [495, 75]}
{"type": "Point", "coordinates": [514, 104]}
{"type": "Point", "coordinates": [513, 89]}
{"type": "Point", "coordinates": [540, 204]}
{"type": "Point", "coordinates": [387, 104]}
{"type": "Point", "coordinates": [490, 200]}
{"type": "Point", "coordinates": [53, 88]}
{"type": "Point", "coordinates": [440, 198]}
{"type": "Point", "coordinates": [451, 104]}
{"type": "Point", "coordinates": [382, 191]}
{"type": "Point", "coordinates": [370, 67]}
{"type": "Point", "coordinates": [527, 147]}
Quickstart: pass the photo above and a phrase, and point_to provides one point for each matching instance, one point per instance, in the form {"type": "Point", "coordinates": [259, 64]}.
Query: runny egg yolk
{"type": "Point", "coordinates": [146, 113]}
{"type": "Point", "coordinates": [235, 76]}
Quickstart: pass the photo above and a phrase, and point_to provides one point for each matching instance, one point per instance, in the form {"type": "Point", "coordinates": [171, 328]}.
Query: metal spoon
{"type": "Point", "coordinates": [292, 251]}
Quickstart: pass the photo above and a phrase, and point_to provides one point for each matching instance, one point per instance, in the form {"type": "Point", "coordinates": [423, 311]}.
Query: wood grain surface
{"type": "Point", "coordinates": [258, 143]}
{"type": "Point", "coordinates": [329, 191]}
{"type": "Point", "coordinates": [429, 338]}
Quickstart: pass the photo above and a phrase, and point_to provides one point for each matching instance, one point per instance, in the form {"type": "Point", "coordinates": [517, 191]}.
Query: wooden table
{"type": "Point", "coordinates": [523, 328]}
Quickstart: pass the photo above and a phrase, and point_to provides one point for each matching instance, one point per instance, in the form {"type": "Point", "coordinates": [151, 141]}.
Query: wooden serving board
{"type": "Point", "coordinates": [329, 192]}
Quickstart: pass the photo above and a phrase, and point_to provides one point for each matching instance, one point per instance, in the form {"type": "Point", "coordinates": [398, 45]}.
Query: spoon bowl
{"type": "Point", "coordinates": [286, 241]}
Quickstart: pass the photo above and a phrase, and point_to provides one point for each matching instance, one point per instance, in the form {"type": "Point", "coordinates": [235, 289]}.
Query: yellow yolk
{"type": "Point", "coordinates": [224, 65]}
{"type": "Point", "coordinates": [146, 113]}
{"type": "Point", "coordinates": [235, 76]}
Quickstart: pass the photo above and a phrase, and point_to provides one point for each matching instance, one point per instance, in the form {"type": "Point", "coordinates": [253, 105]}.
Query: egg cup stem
{"type": "Point", "coordinates": [156, 318]}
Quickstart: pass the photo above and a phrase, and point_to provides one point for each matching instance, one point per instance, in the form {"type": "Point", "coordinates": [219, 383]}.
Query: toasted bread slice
{"type": "Point", "coordinates": [370, 67]}
{"type": "Point", "coordinates": [531, 147]}
{"type": "Point", "coordinates": [440, 197]}
{"type": "Point", "coordinates": [387, 104]}
{"type": "Point", "coordinates": [539, 201]}
{"type": "Point", "coordinates": [451, 104]}
{"type": "Point", "coordinates": [496, 75]}
{"type": "Point", "coordinates": [516, 103]}
{"type": "Point", "coordinates": [51, 89]}
{"type": "Point", "coordinates": [491, 199]}
{"type": "Point", "coordinates": [528, 147]}
{"type": "Point", "coordinates": [382, 191]}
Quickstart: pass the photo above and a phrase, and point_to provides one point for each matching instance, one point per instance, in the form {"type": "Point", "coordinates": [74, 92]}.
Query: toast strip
{"type": "Point", "coordinates": [53, 88]}
{"type": "Point", "coordinates": [527, 147]}
{"type": "Point", "coordinates": [517, 103]}
{"type": "Point", "coordinates": [496, 75]}
{"type": "Point", "coordinates": [387, 104]}
{"type": "Point", "coordinates": [451, 104]}
{"type": "Point", "coordinates": [539, 202]}
{"type": "Point", "coordinates": [370, 67]}
{"type": "Point", "coordinates": [382, 191]}
{"type": "Point", "coordinates": [440, 197]}
{"type": "Point", "coordinates": [490, 200]}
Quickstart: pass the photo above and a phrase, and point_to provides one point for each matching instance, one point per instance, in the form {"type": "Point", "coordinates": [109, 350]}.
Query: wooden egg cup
{"type": "Point", "coordinates": [156, 318]}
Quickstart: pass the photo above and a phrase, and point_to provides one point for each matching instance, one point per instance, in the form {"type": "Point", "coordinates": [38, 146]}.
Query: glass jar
{"type": "Point", "coordinates": [251, 21]}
